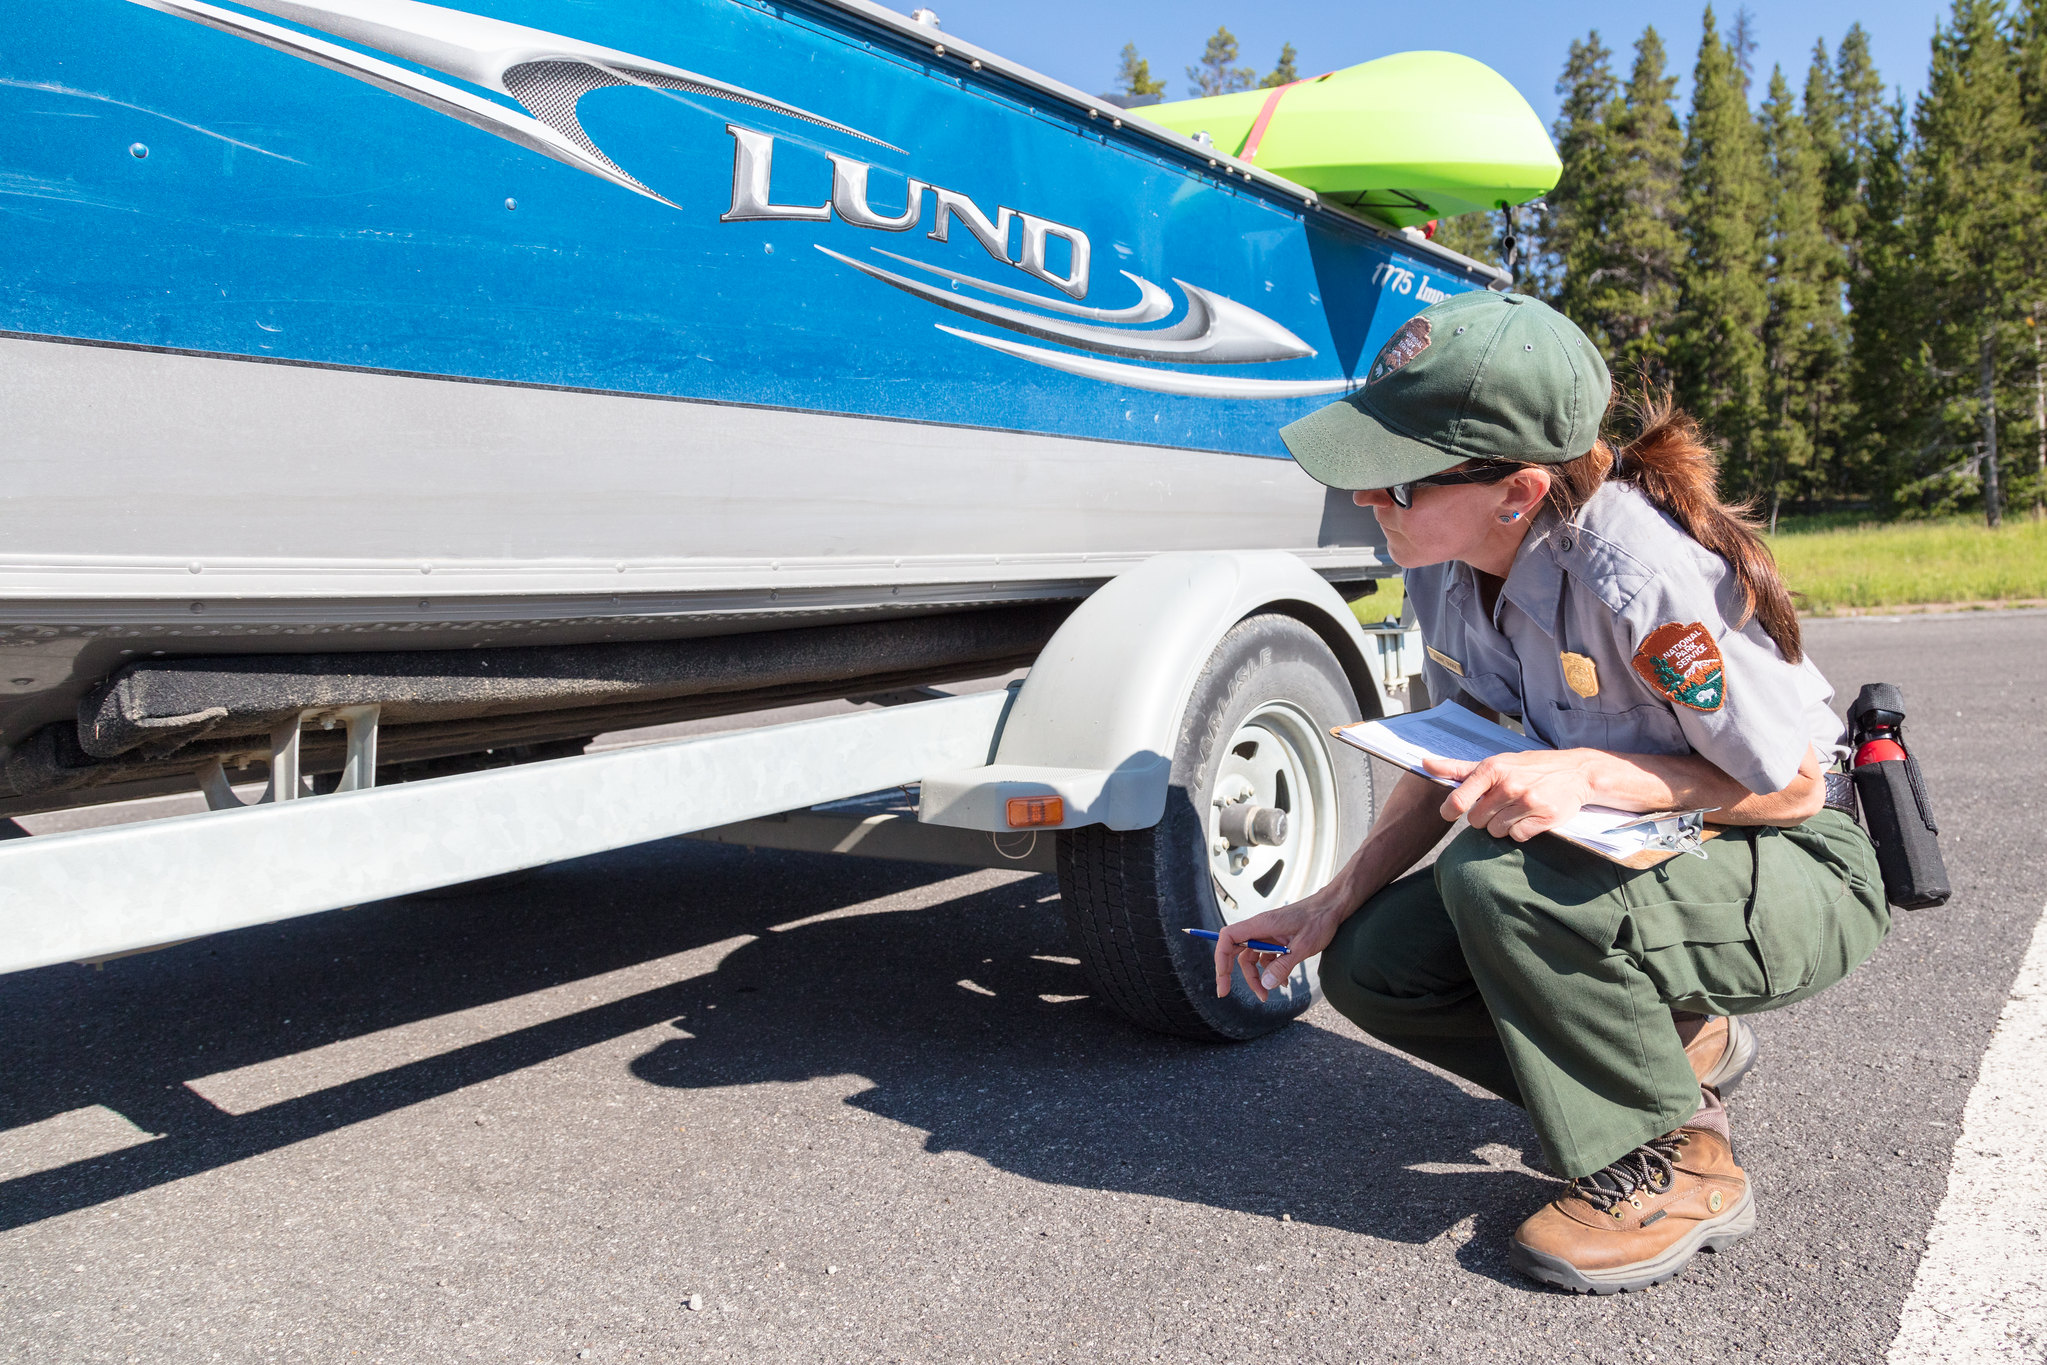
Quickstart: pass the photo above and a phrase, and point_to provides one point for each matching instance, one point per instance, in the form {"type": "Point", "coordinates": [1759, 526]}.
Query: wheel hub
{"type": "Point", "coordinates": [1272, 817]}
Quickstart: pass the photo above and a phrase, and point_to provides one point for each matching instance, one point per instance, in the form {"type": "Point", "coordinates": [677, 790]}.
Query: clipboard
{"type": "Point", "coordinates": [1452, 731]}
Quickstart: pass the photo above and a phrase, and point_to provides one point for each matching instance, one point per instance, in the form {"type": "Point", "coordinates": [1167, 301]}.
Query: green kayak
{"type": "Point", "coordinates": [1406, 138]}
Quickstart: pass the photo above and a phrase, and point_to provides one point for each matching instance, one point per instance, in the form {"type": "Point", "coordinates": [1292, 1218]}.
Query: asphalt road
{"type": "Point", "coordinates": [865, 1112]}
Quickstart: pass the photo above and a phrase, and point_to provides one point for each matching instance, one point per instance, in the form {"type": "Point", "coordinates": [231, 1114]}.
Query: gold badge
{"type": "Point", "coordinates": [1581, 675]}
{"type": "Point", "coordinates": [1444, 659]}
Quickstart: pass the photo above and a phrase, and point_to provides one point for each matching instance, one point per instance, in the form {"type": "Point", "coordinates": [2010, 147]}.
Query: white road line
{"type": "Point", "coordinates": [1981, 1290]}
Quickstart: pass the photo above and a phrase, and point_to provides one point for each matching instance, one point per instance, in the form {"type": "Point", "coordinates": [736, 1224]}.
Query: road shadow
{"type": "Point", "coordinates": [969, 1017]}
{"type": "Point", "coordinates": [973, 1023]}
{"type": "Point", "coordinates": [129, 1036]}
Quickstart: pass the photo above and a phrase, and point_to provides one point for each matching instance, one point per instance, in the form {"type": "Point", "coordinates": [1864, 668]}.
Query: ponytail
{"type": "Point", "coordinates": [1670, 462]}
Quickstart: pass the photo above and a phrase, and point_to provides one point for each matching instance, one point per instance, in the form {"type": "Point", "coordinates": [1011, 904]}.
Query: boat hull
{"type": "Point", "coordinates": [340, 327]}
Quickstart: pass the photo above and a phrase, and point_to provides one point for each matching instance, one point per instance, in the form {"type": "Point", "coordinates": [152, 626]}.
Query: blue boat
{"type": "Point", "coordinates": [367, 327]}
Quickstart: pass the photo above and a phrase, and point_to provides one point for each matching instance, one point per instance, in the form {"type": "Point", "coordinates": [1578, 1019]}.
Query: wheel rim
{"type": "Point", "coordinates": [1277, 758]}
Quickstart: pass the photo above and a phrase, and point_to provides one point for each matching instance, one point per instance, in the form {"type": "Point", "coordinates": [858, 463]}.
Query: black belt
{"type": "Point", "coordinates": [1841, 794]}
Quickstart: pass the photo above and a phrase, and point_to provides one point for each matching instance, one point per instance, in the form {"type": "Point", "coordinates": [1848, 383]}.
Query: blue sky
{"type": "Point", "coordinates": [1077, 41]}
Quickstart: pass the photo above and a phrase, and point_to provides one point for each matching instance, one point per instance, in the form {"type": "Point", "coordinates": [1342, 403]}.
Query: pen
{"type": "Point", "coordinates": [1253, 944]}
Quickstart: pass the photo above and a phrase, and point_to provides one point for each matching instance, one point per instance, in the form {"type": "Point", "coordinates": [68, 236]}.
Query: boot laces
{"type": "Point", "coordinates": [1651, 1167]}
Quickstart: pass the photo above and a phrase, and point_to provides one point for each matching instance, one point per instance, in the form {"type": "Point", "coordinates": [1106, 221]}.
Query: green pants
{"type": "Point", "coordinates": [1547, 975]}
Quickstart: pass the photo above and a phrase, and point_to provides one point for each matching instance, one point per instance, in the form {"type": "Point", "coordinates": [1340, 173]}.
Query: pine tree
{"type": "Point", "coordinates": [1846, 114]}
{"type": "Point", "coordinates": [1840, 161]}
{"type": "Point", "coordinates": [1864, 113]}
{"type": "Point", "coordinates": [1641, 248]}
{"type": "Point", "coordinates": [1741, 44]}
{"type": "Point", "coordinates": [1476, 235]}
{"type": "Point", "coordinates": [1567, 264]}
{"type": "Point", "coordinates": [1799, 331]}
{"type": "Point", "coordinates": [1717, 348]}
{"type": "Point", "coordinates": [1283, 72]}
{"type": "Point", "coordinates": [1215, 74]}
{"type": "Point", "coordinates": [1826, 124]}
{"type": "Point", "coordinates": [2029, 33]}
{"type": "Point", "coordinates": [2031, 38]}
{"type": "Point", "coordinates": [1974, 214]}
{"type": "Point", "coordinates": [1134, 77]}
{"type": "Point", "coordinates": [1888, 383]}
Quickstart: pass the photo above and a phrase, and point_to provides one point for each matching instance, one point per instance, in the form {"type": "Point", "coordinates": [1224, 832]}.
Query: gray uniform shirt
{"type": "Point", "coordinates": [1564, 648]}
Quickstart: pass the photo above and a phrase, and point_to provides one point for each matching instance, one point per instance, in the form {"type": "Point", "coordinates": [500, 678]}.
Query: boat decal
{"type": "Point", "coordinates": [753, 164]}
{"type": "Point", "coordinates": [546, 73]}
{"type": "Point", "coordinates": [1153, 302]}
{"type": "Point", "coordinates": [1215, 330]}
{"type": "Point", "coordinates": [1158, 381]}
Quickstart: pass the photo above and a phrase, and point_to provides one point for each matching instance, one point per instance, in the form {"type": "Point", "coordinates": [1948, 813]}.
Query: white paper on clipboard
{"type": "Point", "coordinates": [1452, 731]}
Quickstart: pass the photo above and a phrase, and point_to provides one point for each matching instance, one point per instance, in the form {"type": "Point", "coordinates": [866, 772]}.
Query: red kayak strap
{"type": "Point", "coordinates": [1265, 113]}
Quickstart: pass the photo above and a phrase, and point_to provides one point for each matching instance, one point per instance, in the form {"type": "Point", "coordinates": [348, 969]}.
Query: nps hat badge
{"type": "Point", "coordinates": [1404, 345]}
{"type": "Point", "coordinates": [1481, 375]}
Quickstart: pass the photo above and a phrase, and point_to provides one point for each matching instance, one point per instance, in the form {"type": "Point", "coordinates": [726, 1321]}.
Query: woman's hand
{"type": "Point", "coordinates": [1407, 828]}
{"type": "Point", "coordinates": [1518, 796]}
{"type": "Point", "coordinates": [1305, 927]}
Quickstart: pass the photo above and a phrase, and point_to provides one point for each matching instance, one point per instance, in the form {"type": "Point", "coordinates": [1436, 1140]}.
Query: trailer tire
{"type": "Point", "coordinates": [1272, 688]}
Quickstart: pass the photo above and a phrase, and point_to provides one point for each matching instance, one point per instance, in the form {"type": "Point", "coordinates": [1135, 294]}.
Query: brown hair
{"type": "Point", "coordinates": [1670, 462]}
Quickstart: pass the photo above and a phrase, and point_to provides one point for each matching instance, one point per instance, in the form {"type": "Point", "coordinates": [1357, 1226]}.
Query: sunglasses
{"type": "Point", "coordinates": [1403, 493]}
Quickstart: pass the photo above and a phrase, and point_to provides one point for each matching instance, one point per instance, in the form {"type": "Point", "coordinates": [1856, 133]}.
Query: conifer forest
{"type": "Point", "coordinates": [1848, 290]}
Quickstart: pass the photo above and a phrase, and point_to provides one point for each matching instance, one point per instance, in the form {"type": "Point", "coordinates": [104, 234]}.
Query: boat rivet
{"type": "Point", "coordinates": [511, 203]}
{"type": "Point", "coordinates": [422, 604]}
{"type": "Point", "coordinates": [1115, 123]}
{"type": "Point", "coordinates": [193, 566]}
{"type": "Point", "coordinates": [620, 566]}
{"type": "Point", "coordinates": [1211, 161]}
{"type": "Point", "coordinates": [198, 607]}
{"type": "Point", "coordinates": [137, 150]}
{"type": "Point", "coordinates": [940, 49]}
{"type": "Point", "coordinates": [1094, 113]}
{"type": "Point", "coordinates": [977, 63]}
{"type": "Point", "coordinates": [426, 568]}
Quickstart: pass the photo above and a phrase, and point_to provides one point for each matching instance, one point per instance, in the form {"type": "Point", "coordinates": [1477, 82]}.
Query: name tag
{"type": "Point", "coordinates": [1444, 659]}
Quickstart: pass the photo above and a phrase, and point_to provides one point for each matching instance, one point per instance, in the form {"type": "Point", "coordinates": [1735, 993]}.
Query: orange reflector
{"type": "Point", "coordinates": [1025, 811]}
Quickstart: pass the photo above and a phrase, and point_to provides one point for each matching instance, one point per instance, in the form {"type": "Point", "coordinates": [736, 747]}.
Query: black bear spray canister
{"type": "Point", "coordinates": [1894, 804]}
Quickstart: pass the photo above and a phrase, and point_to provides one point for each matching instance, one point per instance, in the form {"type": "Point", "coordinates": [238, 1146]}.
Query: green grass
{"type": "Point", "coordinates": [1386, 602]}
{"type": "Point", "coordinates": [1909, 563]}
{"type": "Point", "coordinates": [1837, 566]}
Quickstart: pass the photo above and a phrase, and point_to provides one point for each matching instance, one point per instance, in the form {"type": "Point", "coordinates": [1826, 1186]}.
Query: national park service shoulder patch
{"type": "Point", "coordinates": [1404, 345]}
{"type": "Point", "coordinates": [1683, 664]}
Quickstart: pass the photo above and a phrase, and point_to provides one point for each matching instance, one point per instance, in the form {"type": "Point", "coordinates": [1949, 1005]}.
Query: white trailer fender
{"type": "Point", "coordinates": [1095, 722]}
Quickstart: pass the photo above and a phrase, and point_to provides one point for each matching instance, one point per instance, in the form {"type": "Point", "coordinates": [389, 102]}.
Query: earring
{"type": "Point", "coordinates": [1511, 517]}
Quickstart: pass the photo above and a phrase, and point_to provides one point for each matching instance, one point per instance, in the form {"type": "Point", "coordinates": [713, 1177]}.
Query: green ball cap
{"type": "Point", "coordinates": [1479, 376]}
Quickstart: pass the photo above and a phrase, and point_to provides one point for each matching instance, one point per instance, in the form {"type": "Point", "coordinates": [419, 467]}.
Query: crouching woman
{"type": "Point", "coordinates": [1609, 601]}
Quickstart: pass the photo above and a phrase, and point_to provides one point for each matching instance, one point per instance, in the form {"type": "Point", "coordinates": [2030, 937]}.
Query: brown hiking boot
{"type": "Point", "coordinates": [1639, 1221]}
{"type": "Point", "coordinates": [1722, 1052]}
